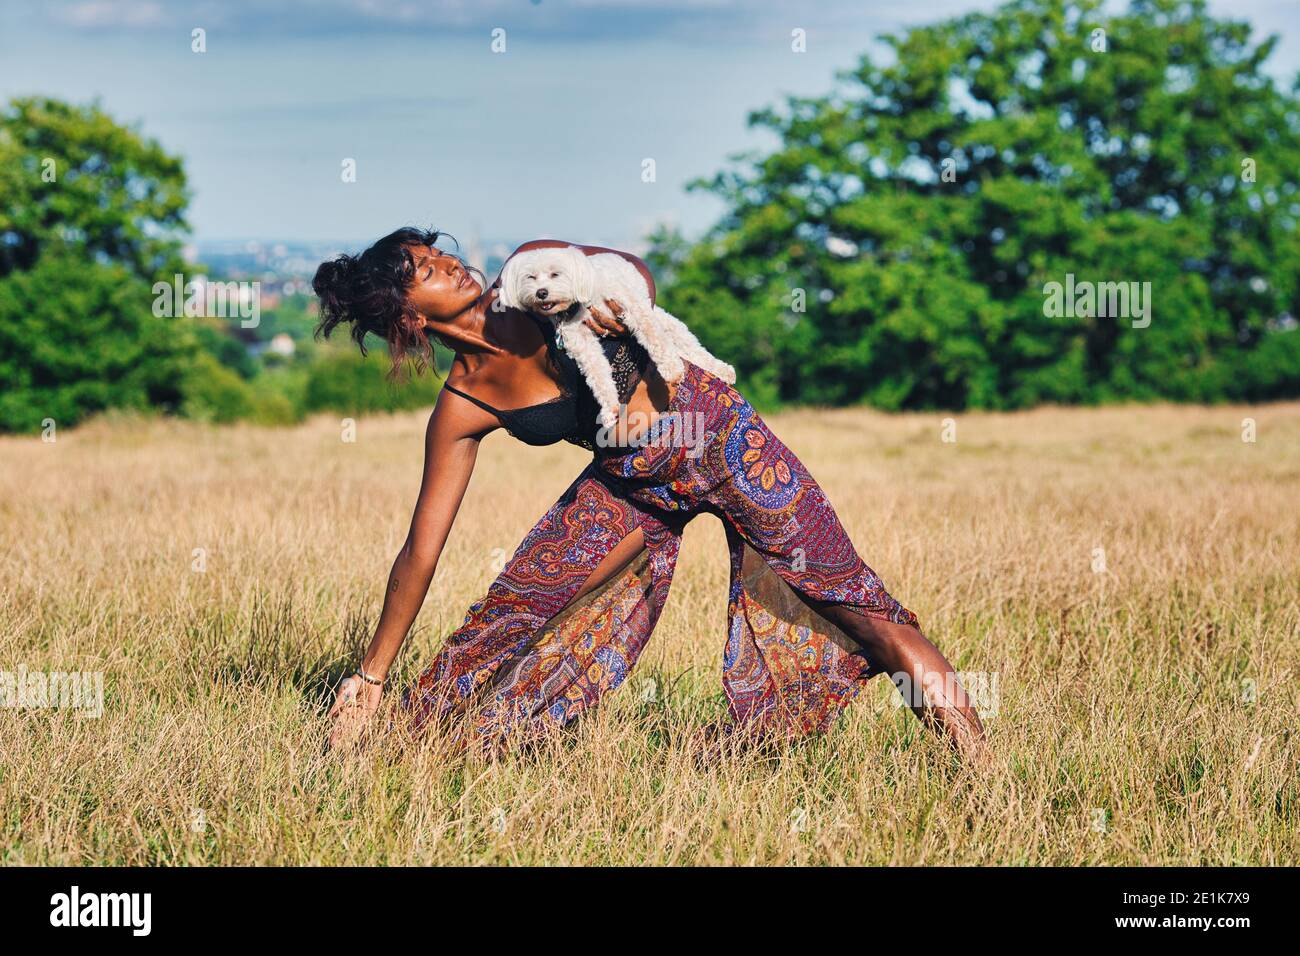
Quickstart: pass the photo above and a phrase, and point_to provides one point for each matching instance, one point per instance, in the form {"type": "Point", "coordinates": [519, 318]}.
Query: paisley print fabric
{"type": "Point", "coordinates": [529, 658]}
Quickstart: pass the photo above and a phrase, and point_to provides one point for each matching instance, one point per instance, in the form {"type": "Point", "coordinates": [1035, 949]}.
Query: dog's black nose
{"type": "Point", "coordinates": [541, 293]}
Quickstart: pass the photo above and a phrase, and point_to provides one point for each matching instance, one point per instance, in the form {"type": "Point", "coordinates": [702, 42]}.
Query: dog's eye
{"type": "Point", "coordinates": [555, 275]}
{"type": "Point", "coordinates": [530, 277]}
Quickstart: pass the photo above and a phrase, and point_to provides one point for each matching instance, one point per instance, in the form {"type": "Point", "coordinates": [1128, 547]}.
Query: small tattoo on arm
{"type": "Point", "coordinates": [393, 585]}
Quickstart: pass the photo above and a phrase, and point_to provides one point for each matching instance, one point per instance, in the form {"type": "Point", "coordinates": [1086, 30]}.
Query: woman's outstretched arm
{"type": "Point", "coordinates": [450, 449]}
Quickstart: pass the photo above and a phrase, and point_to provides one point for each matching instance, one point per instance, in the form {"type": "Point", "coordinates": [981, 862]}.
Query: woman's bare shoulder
{"type": "Point", "coordinates": [455, 418]}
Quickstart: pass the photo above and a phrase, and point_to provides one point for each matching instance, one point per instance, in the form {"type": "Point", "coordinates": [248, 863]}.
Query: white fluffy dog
{"type": "Point", "coordinates": [558, 283]}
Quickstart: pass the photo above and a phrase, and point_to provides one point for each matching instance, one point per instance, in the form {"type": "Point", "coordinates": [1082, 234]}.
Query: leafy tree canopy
{"type": "Point", "coordinates": [71, 176]}
{"type": "Point", "coordinates": [92, 215]}
{"type": "Point", "coordinates": [920, 210]}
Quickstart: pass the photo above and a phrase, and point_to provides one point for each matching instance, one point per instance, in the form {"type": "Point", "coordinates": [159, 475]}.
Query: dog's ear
{"type": "Point", "coordinates": [584, 276]}
{"type": "Point", "coordinates": [511, 275]}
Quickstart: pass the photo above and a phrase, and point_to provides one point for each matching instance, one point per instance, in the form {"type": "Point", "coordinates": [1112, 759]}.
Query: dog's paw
{"type": "Point", "coordinates": [671, 369]}
{"type": "Point", "coordinates": [608, 418]}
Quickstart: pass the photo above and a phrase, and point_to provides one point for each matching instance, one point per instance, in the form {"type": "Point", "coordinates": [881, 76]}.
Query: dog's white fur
{"type": "Point", "coordinates": [549, 282]}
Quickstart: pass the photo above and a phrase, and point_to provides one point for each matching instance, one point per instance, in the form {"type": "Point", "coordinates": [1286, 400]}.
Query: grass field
{"type": "Point", "coordinates": [1147, 690]}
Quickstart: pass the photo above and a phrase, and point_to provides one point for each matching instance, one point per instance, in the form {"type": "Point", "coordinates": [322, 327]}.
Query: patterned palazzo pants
{"type": "Point", "coordinates": [529, 658]}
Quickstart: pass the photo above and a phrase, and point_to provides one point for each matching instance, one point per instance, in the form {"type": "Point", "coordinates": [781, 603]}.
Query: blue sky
{"type": "Point", "coordinates": [544, 139]}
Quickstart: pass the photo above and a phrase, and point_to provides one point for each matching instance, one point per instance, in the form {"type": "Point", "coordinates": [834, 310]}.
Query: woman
{"type": "Point", "coordinates": [566, 619]}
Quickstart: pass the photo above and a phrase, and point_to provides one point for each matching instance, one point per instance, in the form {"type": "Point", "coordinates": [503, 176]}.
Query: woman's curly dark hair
{"type": "Point", "coordinates": [369, 292]}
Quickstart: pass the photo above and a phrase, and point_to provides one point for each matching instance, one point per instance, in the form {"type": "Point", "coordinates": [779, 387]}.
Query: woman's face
{"type": "Point", "coordinates": [442, 287]}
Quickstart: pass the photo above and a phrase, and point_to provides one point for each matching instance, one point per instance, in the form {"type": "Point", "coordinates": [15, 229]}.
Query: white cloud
{"type": "Point", "coordinates": [97, 14]}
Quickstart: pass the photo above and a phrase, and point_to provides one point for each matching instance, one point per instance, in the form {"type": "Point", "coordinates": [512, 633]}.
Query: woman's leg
{"type": "Point", "coordinates": [928, 683]}
{"type": "Point", "coordinates": [622, 554]}
{"type": "Point", "coordinates": [808, 620]}
{"type": "Point", "coordinates": [778, 660]}
{"type": "Point", "coordinates": [801, 642]}
{"type": "Point", "coordinates": [564, 621]}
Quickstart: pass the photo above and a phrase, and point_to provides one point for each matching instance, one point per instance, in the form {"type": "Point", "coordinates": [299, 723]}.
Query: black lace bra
{"type": "Point", "coordinates": [571, 415]}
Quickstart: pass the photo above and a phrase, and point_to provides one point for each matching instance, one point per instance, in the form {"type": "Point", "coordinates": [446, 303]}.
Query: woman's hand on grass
{"type": "Point", "coordinates": [354, 705]}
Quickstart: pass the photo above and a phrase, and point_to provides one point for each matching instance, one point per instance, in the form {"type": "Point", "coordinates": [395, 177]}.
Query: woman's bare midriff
{"type": "Point", "coordinates": [652, 396]}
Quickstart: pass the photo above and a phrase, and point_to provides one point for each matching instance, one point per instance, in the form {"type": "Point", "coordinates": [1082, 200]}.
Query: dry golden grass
{"type": "Point", "coordinates": [1158, 695]}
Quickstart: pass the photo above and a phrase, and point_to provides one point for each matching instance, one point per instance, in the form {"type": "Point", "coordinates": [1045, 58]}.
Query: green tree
{"type": "Point", "coordinates": [93, 214]}
{"type": "Point", "coordinates": [920, 209]}
{"type": "Point", "coordinates": [78, 336]}
{"type": "Point", "coordinates": [72, 176]}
